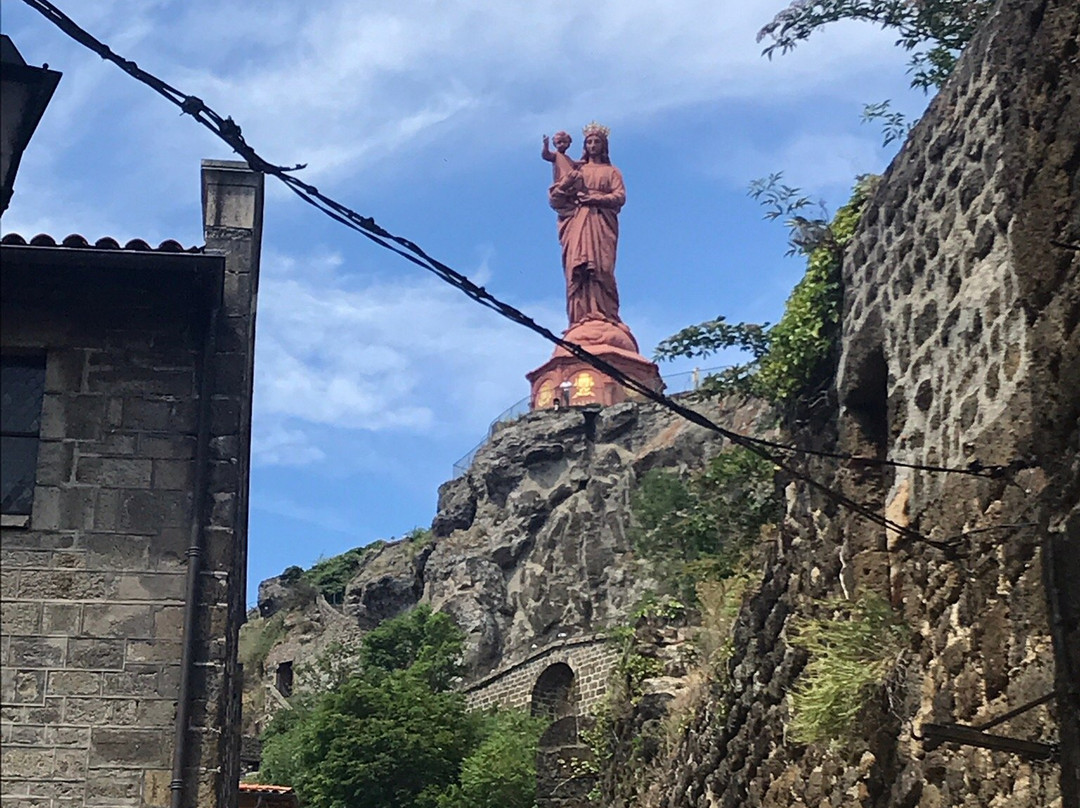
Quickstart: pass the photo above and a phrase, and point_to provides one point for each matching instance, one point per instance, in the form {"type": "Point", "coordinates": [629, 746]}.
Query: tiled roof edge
{"type": "Point", "coordinates": [76, 241]}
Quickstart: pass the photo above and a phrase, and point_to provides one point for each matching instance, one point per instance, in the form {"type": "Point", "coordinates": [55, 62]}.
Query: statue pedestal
{"type": "Point", "coordinates": [564, 380]}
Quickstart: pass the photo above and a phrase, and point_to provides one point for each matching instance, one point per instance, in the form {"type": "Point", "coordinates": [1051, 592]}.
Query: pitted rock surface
{"type": "Point", "coordinates": [532, 545]}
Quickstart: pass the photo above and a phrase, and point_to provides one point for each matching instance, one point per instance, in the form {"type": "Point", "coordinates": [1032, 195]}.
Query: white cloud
{"type": "Point", "coordinates": [358, 90]}
{"type": "Point", "coordinates": [814, 161]}
{"type": "Point", "coordinates": [352, 88]}
{"type": "Point", "coordinates": [274, 444]}
{"type": "Point", "coordinates": [410, 355]}
{"type": "Point", "coordinates": [346, 86]}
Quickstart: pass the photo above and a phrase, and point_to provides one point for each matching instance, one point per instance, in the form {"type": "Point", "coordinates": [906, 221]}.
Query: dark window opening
{"type": "Point", "coordinates": [868, 405]}
{"type": "Point", "coordinates": [284, 678]}
{"type": "Point", "coordinates": [552, 696]}
{"type": "Point", "coordinates": [867, 430]}
{"type": "Point", "coordinates": [22, 387]}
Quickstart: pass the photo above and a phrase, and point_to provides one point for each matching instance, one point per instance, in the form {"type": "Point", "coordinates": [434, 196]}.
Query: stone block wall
{"type": "Point", "coordinates": [961, 307]}
{"type": "Point", "coordinates": [960, 343]}
{"type": "Point", "coordinates": [94, 588]}
{"type": "Point", "coordinates": [591, 658]}
{"type": "Point", "coordinates": [932, 290]}
{"type": "Point", "coordinates": [232, 202]}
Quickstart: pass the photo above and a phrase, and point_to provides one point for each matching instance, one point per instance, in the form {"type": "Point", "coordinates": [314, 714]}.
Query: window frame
{"type": "Point", "coordinates": [37, 360]}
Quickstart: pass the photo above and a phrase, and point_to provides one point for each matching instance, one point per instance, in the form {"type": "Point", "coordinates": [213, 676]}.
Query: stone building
{"type": "Point", "coordinates": [127, 378]}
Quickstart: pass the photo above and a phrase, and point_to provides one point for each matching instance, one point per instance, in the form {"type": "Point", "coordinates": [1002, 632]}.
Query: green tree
{"type": "Point", "coordinates": [934, 30]}
{"type": "Point", "coordinates": [391, 735]}
{"type": "Point", "coordinates": [389, 732]}
{"type": "Point", "coordinates": [501, 771]}
{"type": "Point", "coordinates": [426, 643]}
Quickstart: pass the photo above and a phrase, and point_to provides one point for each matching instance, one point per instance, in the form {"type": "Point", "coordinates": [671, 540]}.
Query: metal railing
{"type": "Point", "coordinates": [511, 413]}
{"type": "Point", "coordinates": [674, 384]}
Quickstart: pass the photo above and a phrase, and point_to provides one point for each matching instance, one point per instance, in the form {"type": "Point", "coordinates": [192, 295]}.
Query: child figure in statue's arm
{"type": "Point", "coordinates": [565, 177]}
{"type": "Point", "coordinates": [562, 165]}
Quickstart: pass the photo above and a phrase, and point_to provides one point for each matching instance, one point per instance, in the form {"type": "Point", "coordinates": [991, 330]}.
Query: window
{"type": "Point", "coordinates": [22, 385]}
{"type": "Point", "coordinates": [284, 679]}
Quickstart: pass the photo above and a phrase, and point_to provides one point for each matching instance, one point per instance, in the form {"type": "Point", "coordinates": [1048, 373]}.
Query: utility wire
{"type": "Point", "coordinates": [229, 131]}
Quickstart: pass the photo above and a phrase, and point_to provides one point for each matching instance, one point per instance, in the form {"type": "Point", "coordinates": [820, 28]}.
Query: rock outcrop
{"type": "Point", "coordinates": [528, 547]}
{"type": "Point", "coordinates": [531, 544]}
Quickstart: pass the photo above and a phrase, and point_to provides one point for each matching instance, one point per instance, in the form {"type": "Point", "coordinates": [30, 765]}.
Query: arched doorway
{"type": "Point", "coordinates": [560, 781]}
{"type": "Point", "coordinates": [553, 695]}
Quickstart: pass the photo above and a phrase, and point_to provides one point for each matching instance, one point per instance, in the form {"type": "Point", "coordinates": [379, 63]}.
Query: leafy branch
{"type": "Point", "coordinates": [894, 125]}
{"type": "Point", "coordinates": [944, 27]}
{"type": "Point", "coordinates": [789, 358]}
{"type": "Point", "coordinates": [805, 234]}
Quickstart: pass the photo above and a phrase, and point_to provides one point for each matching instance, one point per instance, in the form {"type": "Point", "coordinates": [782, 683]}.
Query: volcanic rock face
{"type": "Point", "coordinates": [531, 544]}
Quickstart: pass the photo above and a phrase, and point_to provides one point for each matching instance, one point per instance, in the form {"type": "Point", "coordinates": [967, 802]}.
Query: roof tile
{"type": "Point", "coordinates": [266, 789]}
{"type": "Point", "coordinates": [77, 241]}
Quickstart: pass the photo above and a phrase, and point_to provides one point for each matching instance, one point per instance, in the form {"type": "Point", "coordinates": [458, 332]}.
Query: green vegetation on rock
{"type": "Point", "coordinates": [851, 655]}
{"type": "Point", "coordinates": [698, 534]}
{"type": "Point", "coordinates": [389, 730]}
{"type": "Point", "coordinates": [791, 358]}
{"type": "Point", "coordinates": [330, 576]}
{"type": "Point", "coordinates": [260, 636]}
{"type": "Point", "coordinates": [701, 527]}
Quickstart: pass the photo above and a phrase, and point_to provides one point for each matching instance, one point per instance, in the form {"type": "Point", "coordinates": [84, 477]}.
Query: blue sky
{"type": "Point", "coordinates": [373, 378]}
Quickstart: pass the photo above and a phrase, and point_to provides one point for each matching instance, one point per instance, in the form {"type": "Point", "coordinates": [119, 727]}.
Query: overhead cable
{"type": "Point", "coordinates": [229, 131]}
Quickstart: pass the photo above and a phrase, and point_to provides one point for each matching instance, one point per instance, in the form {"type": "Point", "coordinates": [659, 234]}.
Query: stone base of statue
{"type": "Point", "coordinates": [566, 381]}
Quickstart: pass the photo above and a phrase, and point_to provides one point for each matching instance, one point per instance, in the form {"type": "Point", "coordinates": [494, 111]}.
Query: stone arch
{"type": "Point", "coordinates": [554, 695]}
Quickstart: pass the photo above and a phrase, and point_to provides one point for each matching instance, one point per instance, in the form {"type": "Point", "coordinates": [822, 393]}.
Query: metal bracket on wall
{"type": "Point", "coordinates": [933, 735]}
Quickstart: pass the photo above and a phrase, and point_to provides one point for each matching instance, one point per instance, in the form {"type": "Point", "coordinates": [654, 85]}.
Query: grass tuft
{"type": "Point", "coordinates": [851, 655]}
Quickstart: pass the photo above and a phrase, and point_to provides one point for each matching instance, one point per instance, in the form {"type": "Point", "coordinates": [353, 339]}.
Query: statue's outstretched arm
{"type": "Point", "coordinates": [546, 152]}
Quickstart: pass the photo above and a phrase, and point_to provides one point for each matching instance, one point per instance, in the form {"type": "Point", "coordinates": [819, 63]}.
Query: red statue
{"type": "Point", "coordinates": [587, 199]}
{"type": "Point", "coordinates": [587, 196]}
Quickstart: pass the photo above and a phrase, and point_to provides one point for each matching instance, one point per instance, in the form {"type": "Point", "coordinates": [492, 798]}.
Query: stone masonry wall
{"type": "Point", "coordinates": [232, 204]}
{"type": "Point", "coordinates": [93, 589]}
{"type": "Point", "coordinates": [959, 344]}
{"type": "Point", "coordinates": [591, 659]}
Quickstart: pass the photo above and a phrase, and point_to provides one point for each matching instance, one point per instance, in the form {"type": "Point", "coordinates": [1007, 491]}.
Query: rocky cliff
{"type": "Point", "coordinates": [530, 547]}
{"type": "Point", "coordinates": [960, 345]}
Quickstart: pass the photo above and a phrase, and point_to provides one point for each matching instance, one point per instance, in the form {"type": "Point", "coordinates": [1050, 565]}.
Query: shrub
{"type": "Point", "coordinates": [701, 528]}
{"type": "Point", "coordinates": [851, 655]}
{"type": "Point", "coordinates": [390, 732]}
{"type": "Point", "coordinates": [719, 603]}
{"type": "Point", "coordinates": [331, 575]}
{"type": "Point", "coordinates": [387, 730]}
{"type": "Point", "coordinates": [501, 771]}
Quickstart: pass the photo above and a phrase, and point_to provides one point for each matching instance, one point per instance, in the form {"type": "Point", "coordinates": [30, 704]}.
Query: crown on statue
{"type": "Point", "coordinates": [595, 128]}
